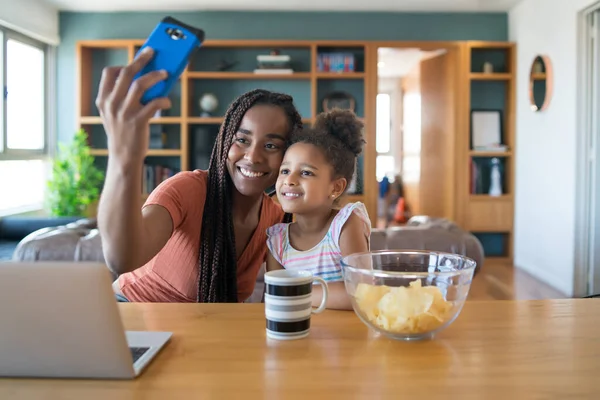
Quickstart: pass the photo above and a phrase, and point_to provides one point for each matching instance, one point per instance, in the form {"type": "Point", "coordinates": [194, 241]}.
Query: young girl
{"type": "Point", "coordinates": [200, 235]}
{"type": "Point", "coordinates": [316, 170]}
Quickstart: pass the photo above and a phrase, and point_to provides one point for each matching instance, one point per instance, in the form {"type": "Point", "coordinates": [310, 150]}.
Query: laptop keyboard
{"type": "Point", "coordinates": [137, 352]}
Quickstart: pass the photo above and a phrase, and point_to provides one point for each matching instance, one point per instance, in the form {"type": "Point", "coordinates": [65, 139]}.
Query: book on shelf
{"type": "Point", "coordinates": [273, 58]}
{"type": "Point", "coordinates": [481, 176]}
{"type": "Point", "coordinates": [267, 71]}
{"type": "Point", "coordinates": [500, 148]}
{"type": "Point", "coordinates": [336, 62]}
{"type": "Point", "coordinates": [154, 175]}
{"type": "Point", "coordinates": [476, 179]}
{"type": "Point", "coordinates": [273, 64]}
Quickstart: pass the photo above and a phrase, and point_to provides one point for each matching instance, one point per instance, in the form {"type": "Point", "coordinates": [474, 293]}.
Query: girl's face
{"type": "Point", "coordinates": [255, 155]}
{"type": "Point", "coordinates": [305, 182]}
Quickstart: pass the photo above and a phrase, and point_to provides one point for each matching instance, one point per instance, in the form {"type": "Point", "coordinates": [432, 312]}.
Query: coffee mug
{"type": "Point", "coordinates": [288, 303]}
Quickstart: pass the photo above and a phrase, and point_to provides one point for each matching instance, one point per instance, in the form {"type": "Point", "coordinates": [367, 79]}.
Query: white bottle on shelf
{"type": "Point", "coordinates": [495, 178]}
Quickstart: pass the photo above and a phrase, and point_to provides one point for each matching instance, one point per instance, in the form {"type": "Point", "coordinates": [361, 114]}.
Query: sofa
{"type": "Point", "coordinates": [81, 241]}
{"type": "Point", "coordinates": [14, 229]}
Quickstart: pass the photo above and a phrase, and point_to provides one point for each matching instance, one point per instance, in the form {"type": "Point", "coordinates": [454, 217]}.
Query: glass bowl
{"type": "Point", "coordinates": [407, 294]}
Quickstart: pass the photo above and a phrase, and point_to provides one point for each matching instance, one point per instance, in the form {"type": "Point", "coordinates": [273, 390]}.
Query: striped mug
{"type": "Point", "coordinates": [288, 303]}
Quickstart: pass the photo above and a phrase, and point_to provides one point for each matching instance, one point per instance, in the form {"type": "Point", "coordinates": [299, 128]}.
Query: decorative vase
{"type": "Point", "coordinates": [208, 104]}
{"type": "Point", "coordinates": [495, 178]}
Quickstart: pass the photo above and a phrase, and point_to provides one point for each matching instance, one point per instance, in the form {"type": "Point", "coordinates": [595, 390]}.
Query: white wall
{"type": "Point", "coordinates": [546, 142]}
{"type": "Point", "coordinates": [33, 18]}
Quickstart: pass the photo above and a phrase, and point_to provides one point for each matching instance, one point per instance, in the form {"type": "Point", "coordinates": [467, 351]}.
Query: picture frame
{"type": "Point", "coordinates": [339, 99]}
{"type": "Point", "coordinates": [487, 129]}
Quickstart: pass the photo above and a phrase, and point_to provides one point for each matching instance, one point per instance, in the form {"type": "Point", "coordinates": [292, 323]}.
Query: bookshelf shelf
{"type": "Point", "coordinates": [205, 120]}
{"type": "Point", "coordinates": [477, 76]}
{"type": "Point", "coordinates": [219, 120]}
{"type": "Point", "coordinates": [475, 153]}
{"type": "Point", "coordinates": [149, 153]}
{"type": "Point", "coordinates": [340, 75]}
{"type": "Point", "coordinates": [246, 75]}
{"type": "Point", "coordinates": [162, 120]}
{"type": "Point", "coordinates": [487, 197]}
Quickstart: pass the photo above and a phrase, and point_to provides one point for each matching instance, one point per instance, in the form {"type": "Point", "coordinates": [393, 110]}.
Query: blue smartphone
{"type": "Point", "coordinates": [174, 43]}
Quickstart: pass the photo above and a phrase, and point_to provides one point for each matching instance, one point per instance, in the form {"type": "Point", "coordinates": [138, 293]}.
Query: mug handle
{"type": "Point", "coordinates": [323, 284]}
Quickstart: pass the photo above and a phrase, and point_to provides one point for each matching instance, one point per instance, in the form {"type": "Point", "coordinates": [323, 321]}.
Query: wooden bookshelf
{"type": "Point", "coordinates": [490, 218]}
{"type": "Point", "coordinates": [188, 137]}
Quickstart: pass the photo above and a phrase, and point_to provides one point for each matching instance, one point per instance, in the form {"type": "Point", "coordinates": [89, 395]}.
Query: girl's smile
{"type": "Point", "coordinates": [305, 180]}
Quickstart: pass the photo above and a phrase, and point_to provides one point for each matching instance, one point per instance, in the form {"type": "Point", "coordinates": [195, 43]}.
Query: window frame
{"type": "Point", "coordinates": [25, 154]}
{"type": "Point", "coordinates": [49, 149]}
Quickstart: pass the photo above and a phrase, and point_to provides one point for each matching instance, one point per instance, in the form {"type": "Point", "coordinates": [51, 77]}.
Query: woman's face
{"type": "Point", "coordinates": [257, 150]}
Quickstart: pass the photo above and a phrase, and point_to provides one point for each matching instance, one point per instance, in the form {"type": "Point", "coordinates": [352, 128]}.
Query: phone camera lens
{"type": "Point", "coordinates": [175, 34]}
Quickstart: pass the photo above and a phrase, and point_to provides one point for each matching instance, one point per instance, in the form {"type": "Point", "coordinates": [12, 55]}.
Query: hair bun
{"type": "Point", "coordinates": [344, 125]}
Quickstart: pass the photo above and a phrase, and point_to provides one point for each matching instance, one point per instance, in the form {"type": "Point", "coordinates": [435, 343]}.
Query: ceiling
{"type": "Point", "coordinates": [289, 5]}
{"type": "Point", "coordinates": [396, 63]}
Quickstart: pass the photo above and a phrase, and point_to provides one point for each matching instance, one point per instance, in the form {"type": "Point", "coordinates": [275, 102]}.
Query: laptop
{"type": "Point", "coordinates": [61, 320]}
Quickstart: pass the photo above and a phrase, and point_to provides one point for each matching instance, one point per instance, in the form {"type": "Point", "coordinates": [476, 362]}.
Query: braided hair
{"type": "Point", "coordinates": [217, 281]}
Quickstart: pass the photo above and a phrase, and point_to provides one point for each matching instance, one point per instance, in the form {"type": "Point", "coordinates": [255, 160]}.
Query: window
{"type": "Point", "coordinates": [383, 132]}
{"type": "Point", "coordinates": [23, 189]}
{"type": "Point", "coordinates": [383, 123]}
{"type": "Point", "coordinates": [385, 166]}
{"type": "Point", "coordinates": [411, 155]}
{"type": "Point", "coordinates": [23, 126]}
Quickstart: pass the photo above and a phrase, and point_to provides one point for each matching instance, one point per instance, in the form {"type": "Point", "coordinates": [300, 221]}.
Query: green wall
{"type": "Point", "coordinates": [264, 25]}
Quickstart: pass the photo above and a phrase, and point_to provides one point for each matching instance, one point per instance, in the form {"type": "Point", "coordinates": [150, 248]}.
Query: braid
{"type": "Point", "coordinates": [218, 262]}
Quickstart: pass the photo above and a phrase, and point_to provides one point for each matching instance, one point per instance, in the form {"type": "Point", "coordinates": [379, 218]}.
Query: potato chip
{"type": "Point", "coordinates": [412, 309]}
{"type": "Point", "coordinates": [368, 296]}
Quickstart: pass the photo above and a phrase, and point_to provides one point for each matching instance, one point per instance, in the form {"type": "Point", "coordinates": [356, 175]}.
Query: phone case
{"type": "Point", "coordinates": [174, 43]}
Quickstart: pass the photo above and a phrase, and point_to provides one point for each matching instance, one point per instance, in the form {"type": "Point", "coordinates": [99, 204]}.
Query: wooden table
{"type": "Point", "coordinates": [495, 350]}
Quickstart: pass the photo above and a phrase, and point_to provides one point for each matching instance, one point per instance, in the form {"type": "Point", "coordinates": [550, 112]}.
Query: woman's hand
{"type": "Point", "coordinates": [125, 118]}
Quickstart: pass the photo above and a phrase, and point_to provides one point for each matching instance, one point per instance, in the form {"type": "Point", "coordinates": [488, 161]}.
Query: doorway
{"type": "Point", "coordinates": [415, 131]}
{"type": "Point", "coordinates": [587, 242]}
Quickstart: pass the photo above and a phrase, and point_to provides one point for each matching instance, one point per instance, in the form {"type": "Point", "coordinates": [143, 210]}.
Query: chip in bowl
{"type": "Point", "coordinates": [412, 309]}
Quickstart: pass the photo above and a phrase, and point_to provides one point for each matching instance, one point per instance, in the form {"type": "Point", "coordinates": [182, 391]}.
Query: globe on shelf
{"type": "Point", "coordinates": [208, 104]}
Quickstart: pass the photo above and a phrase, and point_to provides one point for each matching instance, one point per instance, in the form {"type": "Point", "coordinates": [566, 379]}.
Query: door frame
{"type": "Point", "coordinates": [460, 143]}
{"type": "Point", "coordinates": [586, 258]}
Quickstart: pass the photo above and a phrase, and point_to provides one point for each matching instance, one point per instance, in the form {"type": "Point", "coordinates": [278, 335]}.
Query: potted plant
{"type": "Point", "coordinates": [75, 182]}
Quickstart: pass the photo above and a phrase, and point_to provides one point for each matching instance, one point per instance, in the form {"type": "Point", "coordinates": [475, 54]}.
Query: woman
{"type": "Point", "coordinates": [200, 235]}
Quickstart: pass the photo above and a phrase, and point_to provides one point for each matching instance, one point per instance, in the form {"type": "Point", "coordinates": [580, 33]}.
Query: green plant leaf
{"type": "Point", "coordinates": [75, 181]}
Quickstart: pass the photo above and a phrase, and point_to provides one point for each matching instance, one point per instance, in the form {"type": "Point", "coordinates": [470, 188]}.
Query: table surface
{"type": "Point", "coordinates": [494, 350]}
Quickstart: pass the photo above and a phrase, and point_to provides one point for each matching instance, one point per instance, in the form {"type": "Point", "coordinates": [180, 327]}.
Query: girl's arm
{"type": "Point", "coordinates": [272, 263]}
{"type": "Point", "coordinates": [338, 298]}
{"type": "Point", "coordinates": [354, 238]}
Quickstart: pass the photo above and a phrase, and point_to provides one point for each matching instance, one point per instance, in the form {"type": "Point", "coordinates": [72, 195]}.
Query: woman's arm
{"type": "Point", "coordinates": [129, 236]}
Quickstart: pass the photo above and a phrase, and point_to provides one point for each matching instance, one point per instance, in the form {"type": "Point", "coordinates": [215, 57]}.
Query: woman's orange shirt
{"type": "Point", "coordinates": [172, 275]}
